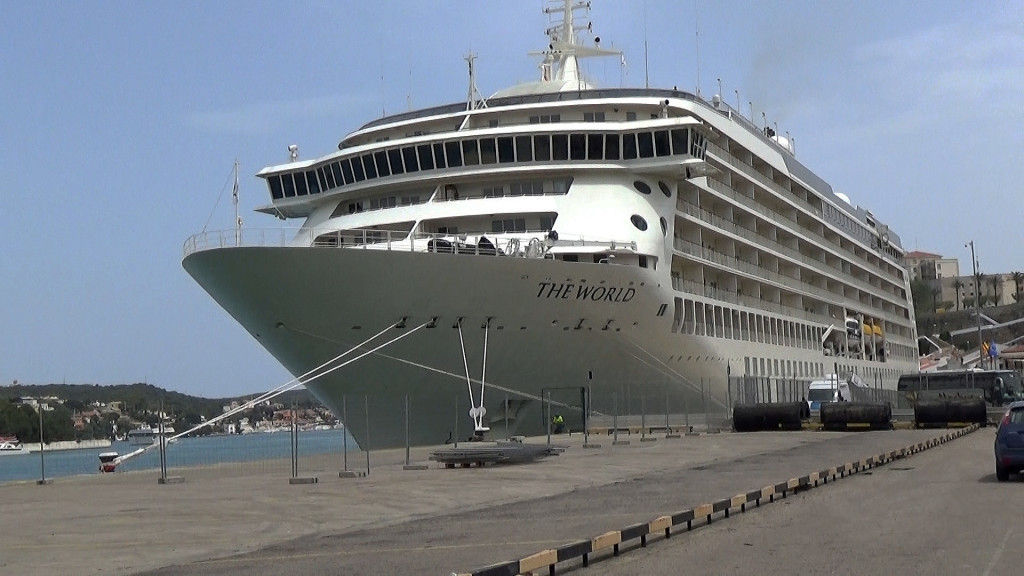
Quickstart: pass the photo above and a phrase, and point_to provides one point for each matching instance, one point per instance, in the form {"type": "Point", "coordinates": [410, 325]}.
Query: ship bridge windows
{"type": "Point", "coordinates": [409, 157]}
{"type": "Point", "coordinates": [524, 151]}
{"type": "Point", "coordinates": [357, 168]}
{"type": "Point", "coordinates": [542, 147]}
{"type": "Point", "coordinates": [557, 147]}
{"type": "Point", "coordinates": [593, 116]}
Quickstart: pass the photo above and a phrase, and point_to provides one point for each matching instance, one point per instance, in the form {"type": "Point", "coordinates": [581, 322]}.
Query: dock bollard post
{"type": "Point", "coordinates": [345, 472]}
{"type": "Point", "coordinates": [409, 466]}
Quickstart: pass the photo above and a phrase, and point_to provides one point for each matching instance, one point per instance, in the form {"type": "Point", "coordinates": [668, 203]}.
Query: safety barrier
{"type": "Point", "coordinates": [583, 549]}
{"type": "Point", "coordinates": [840, 416]}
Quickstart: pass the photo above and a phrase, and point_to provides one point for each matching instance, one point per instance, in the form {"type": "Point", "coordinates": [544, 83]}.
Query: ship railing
{"type": "Point", "coordinates": [809, 262]}
{"type": "Point", "coordinates": [527, 243]}
{"type": "Point", "coordinates": [780, 279]}
{"type": "Point", "coordinates": [745, 167]}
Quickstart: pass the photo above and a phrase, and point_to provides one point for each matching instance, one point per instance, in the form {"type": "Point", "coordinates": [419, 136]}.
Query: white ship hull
{"type": "Point", "coordinates": [302, 305]}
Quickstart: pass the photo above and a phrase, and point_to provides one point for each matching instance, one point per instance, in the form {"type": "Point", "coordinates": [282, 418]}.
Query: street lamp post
{"type": "Point", "coordinates": [977, 298]}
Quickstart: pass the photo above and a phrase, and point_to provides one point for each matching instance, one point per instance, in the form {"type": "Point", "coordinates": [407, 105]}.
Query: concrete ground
{"type": "Point", "coordinates": [234, 521]}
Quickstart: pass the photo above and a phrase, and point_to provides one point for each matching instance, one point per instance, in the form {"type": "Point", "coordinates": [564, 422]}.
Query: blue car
{"type": "Point", "coordinates": [1010, 442]}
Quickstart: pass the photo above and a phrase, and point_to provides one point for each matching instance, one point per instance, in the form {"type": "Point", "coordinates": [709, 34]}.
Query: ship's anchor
{"type": "Point", "coordinates": [476, 411]}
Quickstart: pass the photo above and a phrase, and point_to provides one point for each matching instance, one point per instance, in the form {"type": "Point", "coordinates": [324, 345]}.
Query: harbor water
{"type": "Point", "coordinates": [272, 448]}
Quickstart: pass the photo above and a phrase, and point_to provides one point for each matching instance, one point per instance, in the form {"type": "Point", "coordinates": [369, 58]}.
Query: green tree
{"type": "Point", "coordinates": [958, 285]}
{"type": "Point", "coordinates": [1018, 278]}
{"type": "Point", "coordinates": [995, 280]}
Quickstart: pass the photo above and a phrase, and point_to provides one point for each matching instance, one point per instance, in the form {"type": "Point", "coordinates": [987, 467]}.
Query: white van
{"type": "Point", "coordinates": [832, 388]}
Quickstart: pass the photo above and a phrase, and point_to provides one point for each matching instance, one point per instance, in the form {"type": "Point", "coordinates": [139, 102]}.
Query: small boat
{"type": "Point", "coordinates": [143, 436]}
{"type": "Point", "coordinates": [10, 446]}
{"type": "Point", "coordinates": [107, 461]}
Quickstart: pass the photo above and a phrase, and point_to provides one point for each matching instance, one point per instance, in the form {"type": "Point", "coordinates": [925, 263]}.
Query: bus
{"type": "Point", "coordinates": [998, 387]}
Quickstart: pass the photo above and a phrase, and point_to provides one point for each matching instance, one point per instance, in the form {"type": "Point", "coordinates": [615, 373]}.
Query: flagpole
{"type": "Point", "coordinates": [238, 221]}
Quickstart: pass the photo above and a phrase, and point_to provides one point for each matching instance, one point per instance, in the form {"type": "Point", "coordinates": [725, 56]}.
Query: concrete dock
{"type": "Point", "coordinates": [439, 521]}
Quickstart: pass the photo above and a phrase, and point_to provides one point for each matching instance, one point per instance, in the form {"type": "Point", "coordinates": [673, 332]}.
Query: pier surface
{"type": "Point", "coordinates": [941, 508]}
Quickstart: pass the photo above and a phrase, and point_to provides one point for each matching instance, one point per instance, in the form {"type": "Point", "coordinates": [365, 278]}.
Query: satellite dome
{"type": "Point", "coordinates": [844, 198]}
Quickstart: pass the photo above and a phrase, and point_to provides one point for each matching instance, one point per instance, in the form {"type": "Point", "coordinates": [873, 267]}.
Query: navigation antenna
{"type": "Point", "coordinates": [474, 100]}
{"type": "Point", "coordinates": [560, 59]}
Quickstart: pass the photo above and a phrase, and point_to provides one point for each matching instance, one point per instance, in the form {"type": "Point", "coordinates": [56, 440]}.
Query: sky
{"type": "Point", "coordinates": [120, 122]}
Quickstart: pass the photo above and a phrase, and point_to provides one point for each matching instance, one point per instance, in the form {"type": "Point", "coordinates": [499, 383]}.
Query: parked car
{"type": "Point", "coordinates": [1010, 442]}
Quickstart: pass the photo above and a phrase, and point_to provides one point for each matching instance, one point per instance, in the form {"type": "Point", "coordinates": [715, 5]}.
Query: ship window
{"type": "Point", "coordinates": [570, 257]}
{"type": "Point", "coordinates": [645, 143]}
{"type": "Point", "coordinates": [524, 152]}
{"type": "Point", "coordinates": [370, 166]}
{"type": "Point", "coordinates": [595, 146]}
{"type": "Point", "coordinates": [381, 158]}
{"type": "Point", "coordinates": [593, 116]}
{"type": "Point", "coordinates": [506, 153]}
{"type": "Point", "coordinates": [312, 186]}
{"type": "Point", "coordinates": [559, 147]}
{"type": "Point", "coordinates": [630, 116]}
{"type": "Point", "coordinates": [542, 147]}
{"type": "Point", "coordinates": [410, 200]}
{"type": "Point", "coordinates": [357, 169]}
{"type": "Point", "coordinates": [425, 156]}
{"type": "Point", "coordinates": [346, 169]}
{"type": "Point", "coordinates": [664, 227]}
{"type": "Point", "coordinates": [661, 145]}
{"type": "Point", "coordinates": [329, 177]}
{"type": "Point", "coordinates": [453, 154]}
{"type": "Point", "coordinates": [611, 146]}
{"type": "Point", "coordinates": [439, 154]}
{"type": "Point", "coordinates": [643, 261]}
{"type": "Point", "coordinates": [578, 146]}
{"type": "Point", "coordinates": [639, 222]}
{"type": "Point", "coordinates": [494, 191]}
{"type": "Point", "coordinates": [508, 225]}
{"type": "Point", "coordinates": [289, 185]}
{"type": "Point", "coordinates": [492, 123]}
{"type": "Point", "coordinates": [488, 155]}
{"type": "Point", "coordinates": [547, 222]}
{"type": "Point", "coordinates": [665, 189]}
{"type": "Point", "coordinates": [395, 161]}
{"type": "Point", "coordinates": [629, 146]}
{"type": "Point", "coordinates": [336, 170]}
{"type": "Point", "coordinates": [300, 184]}
{"type": "Point", "coordinates": [409, 156]}
{"type": "Point", "coordinates": [642, 187]}
{"type": "Point", "coordinates": [561, 186]}
{"type": "Point", "coordinates": [276, 192]}
{"type": "Point", "coordinates": [469, 153]}
{"type": "Point", "coordinates": [322, 179]}
{"type": "Point", "coordinates": [680, 144]}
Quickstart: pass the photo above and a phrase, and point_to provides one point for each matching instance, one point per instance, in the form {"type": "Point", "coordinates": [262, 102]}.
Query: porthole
{"type": "Point", "coordinates": [664, 189]}
{"type": "Point", "coordinates": [639, 222]}
{"type": "Point", "coordinates": [642, 187]}
{"type": "Point", "coordinates": [664, 227]}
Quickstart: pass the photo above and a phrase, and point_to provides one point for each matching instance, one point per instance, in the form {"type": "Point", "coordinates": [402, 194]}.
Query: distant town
{"type": "Point", "coordinates": [87, 412]}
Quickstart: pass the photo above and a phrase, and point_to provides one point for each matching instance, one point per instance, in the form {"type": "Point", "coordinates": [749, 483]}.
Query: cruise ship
{"type": "Point", "coordinates": [470, 260]}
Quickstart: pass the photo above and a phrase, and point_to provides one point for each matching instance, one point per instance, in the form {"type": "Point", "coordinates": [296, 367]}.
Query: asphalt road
{"type": "Point", "coordinates": [462, 541]}
{"type": "Point", "coordinates": [938, 512]}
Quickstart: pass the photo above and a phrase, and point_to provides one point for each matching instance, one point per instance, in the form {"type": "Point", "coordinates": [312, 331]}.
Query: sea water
{"type": "Point", "coordinates": [184, 452]}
